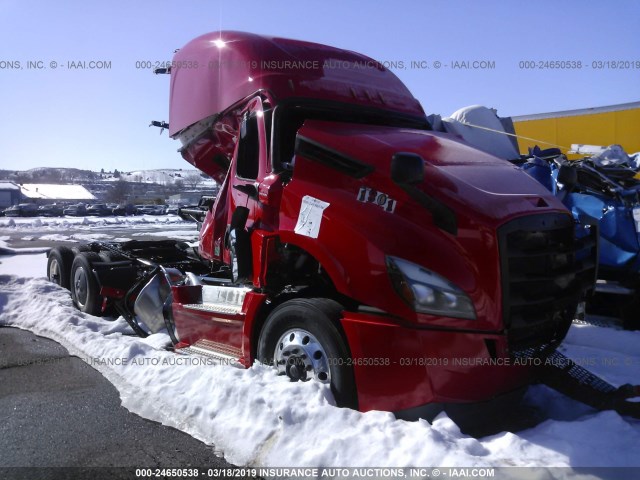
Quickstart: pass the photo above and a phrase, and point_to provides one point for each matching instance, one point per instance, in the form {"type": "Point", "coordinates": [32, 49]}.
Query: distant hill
{"type": "Point", "coordinates": [49, 175]}
{"type": "Point", "coordinates": [189, 178]}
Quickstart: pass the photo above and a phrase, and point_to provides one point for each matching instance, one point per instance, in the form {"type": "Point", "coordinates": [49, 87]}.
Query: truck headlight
{"type": "Point", "coordinates": [428, 292]}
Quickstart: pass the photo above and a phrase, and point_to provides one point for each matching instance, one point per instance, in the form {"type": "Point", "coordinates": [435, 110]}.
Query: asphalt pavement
{"type": "Point", "coordinates": [57, 411]}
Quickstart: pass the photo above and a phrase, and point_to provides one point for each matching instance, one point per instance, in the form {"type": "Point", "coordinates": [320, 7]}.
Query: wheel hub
{"type": "Point", "coordinates": [296, 368]}
{"type": "Point", "coordinates": [80, 286]}
{"type": "Point", "coordinates": [54, 271]}
{"type": "Point", "coordinates": [300, 356]}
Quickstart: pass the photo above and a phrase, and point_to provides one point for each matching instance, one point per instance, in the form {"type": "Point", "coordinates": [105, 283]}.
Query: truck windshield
{"type": "Point", "coordinates": [289, 117]}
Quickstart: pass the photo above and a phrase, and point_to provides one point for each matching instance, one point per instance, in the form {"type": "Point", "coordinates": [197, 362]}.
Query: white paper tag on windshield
{"type": "Point", "coordinates": [310, 216]}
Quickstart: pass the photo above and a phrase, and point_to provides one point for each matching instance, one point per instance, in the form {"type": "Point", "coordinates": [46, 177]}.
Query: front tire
{"type": "Point", "coordinates": [84, 286]}
{"type": "Point", "coordinates": [301, 339]}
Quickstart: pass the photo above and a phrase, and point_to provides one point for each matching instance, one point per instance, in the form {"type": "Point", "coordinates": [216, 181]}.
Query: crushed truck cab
{"type": "Point", "coordinates": [348, 244]}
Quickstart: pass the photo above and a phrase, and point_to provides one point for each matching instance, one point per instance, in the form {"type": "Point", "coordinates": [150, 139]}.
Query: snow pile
{"type": "Point", "coordinates": [16, 263]}
{"type": "Point", "coordinates": [85, 229]}
{"type": "Point", "coordinates": [6, 250]}
{"type": "Point", "coordinates": [257, 418]}
{"type": "Point", "coordinates": [65, 222]}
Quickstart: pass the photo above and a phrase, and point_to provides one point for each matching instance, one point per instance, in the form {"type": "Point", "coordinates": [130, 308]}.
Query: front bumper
{"type": "Point", "coordinates": [399, 368]}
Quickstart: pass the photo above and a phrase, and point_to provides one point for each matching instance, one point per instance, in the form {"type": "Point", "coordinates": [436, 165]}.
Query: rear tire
{"type": "Point", "coordinates": [84, 286]}
{"type": "Point", "coordinates": [302, 339]}
{"type": "Point", "coordinates": [59, 266]}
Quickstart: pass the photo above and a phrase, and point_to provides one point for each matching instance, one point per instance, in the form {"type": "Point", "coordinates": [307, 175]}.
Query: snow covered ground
{"type": "Point", "coordinates": [30, 223]}
{"type": "Point", "coordinates": [84, 229]}
{"type": "Point", "coordinates": [256, 418]}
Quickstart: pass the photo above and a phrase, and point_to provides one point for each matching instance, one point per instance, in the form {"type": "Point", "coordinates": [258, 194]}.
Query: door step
{"type": "Point", "coordinates": [224, 354]}
{"type": "Point", "coordinates": [220, 299]}
{"type": "Point", "coordinates": [219, 295]}
{"type": "Point", "coordinates": [214, 308]}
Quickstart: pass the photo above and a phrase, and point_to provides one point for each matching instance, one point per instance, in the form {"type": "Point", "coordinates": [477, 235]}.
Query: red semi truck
{"type": "Point", "coordinates": [348, 244]}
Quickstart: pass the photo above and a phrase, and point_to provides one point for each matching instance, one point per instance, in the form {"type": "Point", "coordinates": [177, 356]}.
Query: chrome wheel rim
{"type": "Point", "coordinates": [300, 356]}
{"type": "Point", "coordinates": [54, 271]}
{"type": "Point", "coordinates": [80, 286]}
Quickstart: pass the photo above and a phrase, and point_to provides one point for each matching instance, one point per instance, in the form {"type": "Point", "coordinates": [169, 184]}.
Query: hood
{"type": "Point", "coordinates": [455, 172]}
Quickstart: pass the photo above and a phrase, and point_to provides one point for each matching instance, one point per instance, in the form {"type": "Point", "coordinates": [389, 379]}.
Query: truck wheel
{"type": "Point", "coordinates": [301, 339]}
{"type": "Point", "coordinates": [84, 286]}
{"type": "Point", "coordinates": [59, 266]}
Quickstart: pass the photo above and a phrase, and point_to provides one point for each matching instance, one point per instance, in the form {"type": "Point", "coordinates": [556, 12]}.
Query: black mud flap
{"type": "Point", "coordinates": [567, 377]}
{"type": "Point", "coordinates": [125, 307]}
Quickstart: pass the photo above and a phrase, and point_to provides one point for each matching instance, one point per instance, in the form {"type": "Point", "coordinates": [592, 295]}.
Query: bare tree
{"type": "Point", "coordinates": [119, 192]}
{"type": "Point", "coordinates": [23, 177]}
{"type": "Point", "coordinates": [192, 180]}
{"type": "Point", "coordinates": [52, 176]}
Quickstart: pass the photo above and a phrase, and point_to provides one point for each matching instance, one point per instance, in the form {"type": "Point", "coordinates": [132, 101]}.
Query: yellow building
{"type": "Point", "coordinates": [614, 124]}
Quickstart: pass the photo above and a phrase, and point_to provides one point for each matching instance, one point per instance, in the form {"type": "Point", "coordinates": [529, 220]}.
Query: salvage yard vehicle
{"type": "Point", "coordinates": [601, 188]}
{"type": "Point", "coordinates": [197, 213]}
{"type": "Point", "coordinates": [125, 209]}
{"type": "Point", "coordinates": [348, 243]}
{"type": "Point", "coordinates": [610, 194]}
{"type": "Point", "coordinates": [99, 210]}
{"type": "Point", "coordinates": [22, 210]}
{"type": "Point", "coordinates": [50, 210]}
{"type": "Point", "coordinates": [152, 209]}
{"type": "Point", "coordinates": [77, 210]}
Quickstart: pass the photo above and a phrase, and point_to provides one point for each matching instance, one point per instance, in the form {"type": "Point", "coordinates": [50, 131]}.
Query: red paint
{"type": "Point", "coordinates": [252, 305]}
{"type": "Point", "coordinates": [111, 292]}
{"type": "Point", "coordinates": [221, 69]}
{"type": "Point", "coordinates": [418, 366]}
{"type": "Point", "coordinates": [193, 325]}
{"type": "Point", "coordinates": [355, 237]}
{"type": "Point", "coordinates": [264, 253]}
